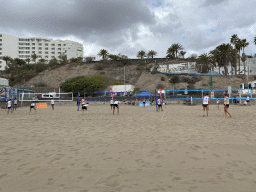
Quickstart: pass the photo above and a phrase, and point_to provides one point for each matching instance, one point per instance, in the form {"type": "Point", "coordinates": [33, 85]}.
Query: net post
{"type": "Point", "coordinates": [78, 102]}
{"type": "Point", "coordinates": [156, 99]}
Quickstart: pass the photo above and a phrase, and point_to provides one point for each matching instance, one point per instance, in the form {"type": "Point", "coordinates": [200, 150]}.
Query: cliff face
{"type": "Point", "coordinates": [136, 75]}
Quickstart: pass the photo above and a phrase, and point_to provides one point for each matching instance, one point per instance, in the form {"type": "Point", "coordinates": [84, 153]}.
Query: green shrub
{"type": "Point", "coordinates": [142, 63]}
{"type": "Point", "coordinates": [154, 71]}
{"type": "Point", "coordinates": [136, 89]}
{"type": "Point", "coordinates": [138, 68]}
{"type": "Point", "coordinates": [162, 79]}
{"type": "Point", "coordinates": [174, 79]}
{"type": "Point", "coordinates": [99, 66]}
{"type": "Point", "coordinates": [117, 83]}
{"type": "Point", "coordinates": [83, 84]}
{"type": "Point", "coordinates": [191, 81]}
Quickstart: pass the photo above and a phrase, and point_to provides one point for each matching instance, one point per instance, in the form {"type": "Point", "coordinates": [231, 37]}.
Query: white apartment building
{"type": "Point", "coordinates": [23, 48]}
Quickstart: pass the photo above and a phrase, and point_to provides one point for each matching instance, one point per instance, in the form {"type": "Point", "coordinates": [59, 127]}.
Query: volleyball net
{"type": "Point", "coordinates": [235, 94]}
{"type": "Point", "coordinates": [128, 95]}
{"type": "Point", "coordinates": [62, 97]}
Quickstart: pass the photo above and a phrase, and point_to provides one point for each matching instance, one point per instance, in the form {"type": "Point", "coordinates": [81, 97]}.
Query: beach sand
{"type": "Point", "coordinates": [140, 150]}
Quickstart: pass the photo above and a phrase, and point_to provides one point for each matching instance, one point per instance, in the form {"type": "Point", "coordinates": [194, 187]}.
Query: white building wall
{"type": "Point", "coordinates": [8, 47]}
{"type": "Point", "coordinates": [23, 48]}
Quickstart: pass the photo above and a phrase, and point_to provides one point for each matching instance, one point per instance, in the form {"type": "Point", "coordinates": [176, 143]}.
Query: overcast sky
{"type": "Point", "coordinates": [128, 26]}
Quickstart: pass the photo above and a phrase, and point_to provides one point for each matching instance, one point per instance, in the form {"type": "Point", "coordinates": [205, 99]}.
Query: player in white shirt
{"type": "Point", "coordinates": [111, 103]}
{"type": "Point", "coordinates": [52, 104]}
{"type": "Point", "coordinates": [9, 106]}
{"type": "Point", "coordinates": [159, 104]}
{"type": "Point", "coordinates": [15, 103]}
{"type": "Point", "coordinates": [116, 106]}
{"type": "Point", "coordinates": [218, 103]}
{"type": "Point", "coordinates": [206, 103]}
{"type": "Point", "coordinates": [84, 107]}
{"type": "Point", "coordinates": [226, 104]}
{"type": "Point", "coordinates": [248, 100]}
{"type": "Point", "coordinates": [32, 106]}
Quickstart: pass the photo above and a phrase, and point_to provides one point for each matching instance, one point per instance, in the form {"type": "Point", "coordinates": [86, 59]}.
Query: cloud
{"type": "Point", "coordinates": [214, 2]}
{"type": "Point", "coordinates": [129, 26]}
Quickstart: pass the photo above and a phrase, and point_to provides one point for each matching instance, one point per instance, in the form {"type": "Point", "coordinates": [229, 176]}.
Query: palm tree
{"type": "Point", "coordinates": [182, 53]}
{"type": "Point", "coordinates": [234, 40]}
{"type": "Point", "coordinates": [244, 44]}
{"type": "Point", "coordinates": [103, 53]}
{"type": "Point", "coordinates": [34, 57]}
{"type": "Point", "coordinates": [239, 48]}
{"type": "Point", "coordinates": [6, 59]}
{"type": "Point", "coordinates": [141, 54]}
{"type": "Point", "coordinates": [152, 54]}
{"type": "Point", "coordinates": [27, 60]}
{"type": "Point", "coordinates": [170, 52]}
{"type": "Point", "coordinates": [222, 54]}
{"type": "Point", "coordinates": [176, 47]}
{"type": "Point", "coordinates": [203, 63]}
{"type": "Point", "coordinates": [42, 61]}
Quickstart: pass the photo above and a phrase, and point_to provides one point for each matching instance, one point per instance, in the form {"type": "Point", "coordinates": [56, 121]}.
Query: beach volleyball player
{"type": "Point", "coordinates": [111, 103]}
{"type": "Point", "coordinates": [116, 105]}
{"type": "Point", "coordinates": [32, 106]}
{"type": "Point", "coordinates": [9, 106]}
{"type": "Point", "coordinates": [205, 103]}
{"type": "Point", "coordinates": [226, 104]}
{"type": "Point", "coordinates": [85, 106]}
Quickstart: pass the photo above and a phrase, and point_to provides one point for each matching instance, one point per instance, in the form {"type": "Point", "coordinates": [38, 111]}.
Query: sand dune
{"type": "Point", "coordinates": [139, 150]}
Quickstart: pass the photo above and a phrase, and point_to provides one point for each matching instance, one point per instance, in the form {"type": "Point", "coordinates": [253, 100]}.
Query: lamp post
{"type": "Point", "coordinates": [124, 81]}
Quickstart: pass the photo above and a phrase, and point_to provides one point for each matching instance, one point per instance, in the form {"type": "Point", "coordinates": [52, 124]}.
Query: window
{"type": "Point", "coordinates": [53, 48]}
{"type": "Point", "coordinates": [53, 44]}
{"type": "Point", "coordinates": [53, 57]}
{"type": "Point", "coordinates": [59, 48]}
{"type": "Point", "coordinates": [46, 44]}
{"type": "Point", "coordinates": [33, 48]}
{"type": "Point", "coordinates": [0, 44]}
{"type": "Point", "coordinates": [0, 66]}
{"type": "Point", "coordinates": [0, 61]}
{"type": "Point", "coordinates": [59, 53]}
{"type": "Point", "coordinates": [0, 53]}
{"type": "Point", "coordinates": [33, 52]}
{"type": "Point", "coordinates": [59, 45]}
{"type": "Point", "coordinates": [0, 35]}
{"type": "Point", "coordinates": [40, 44]}
{"type": "Point", "coordinates": [53, 52]}
{"type": "Point", "coordinates": [33, 44]}
{"type": "Point", "coordinates": [46, 52]}
{"type": "Point", "coordinates": [39, 48]}
{"type": "Point", "coordinates": [40, 52]}
{"type": "Point", "coordinates": [0, 39]}
{"type": "Point", "coordinates": [46, 48]}
{"type": "Point", "coordinates": [46, 56]}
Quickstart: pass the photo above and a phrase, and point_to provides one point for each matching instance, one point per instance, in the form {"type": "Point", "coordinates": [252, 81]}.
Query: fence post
{"type": "Point", "coordinates": [156, 99]}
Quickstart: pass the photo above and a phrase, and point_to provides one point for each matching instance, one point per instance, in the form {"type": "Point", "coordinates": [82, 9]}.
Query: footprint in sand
{"type": "Point", "coordinates": [31, 170]}
{"type": "Point", "coordinates": [2, 176]}
{"type": "Point", "coordinates": [216, 155]}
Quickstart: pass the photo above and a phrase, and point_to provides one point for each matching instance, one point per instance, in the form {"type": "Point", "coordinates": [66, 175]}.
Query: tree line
{"type": "Point", "coordinates": [173, 52]}
{"type": "Point", "coordinates": [223, 55]}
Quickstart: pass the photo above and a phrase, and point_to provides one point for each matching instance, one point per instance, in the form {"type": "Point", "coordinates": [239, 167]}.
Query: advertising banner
{"type": "Point", "coordinates": [7, 93]}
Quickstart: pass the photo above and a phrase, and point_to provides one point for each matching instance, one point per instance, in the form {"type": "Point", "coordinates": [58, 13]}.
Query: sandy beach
{"type": "Point", "coordinates": [140, 150]}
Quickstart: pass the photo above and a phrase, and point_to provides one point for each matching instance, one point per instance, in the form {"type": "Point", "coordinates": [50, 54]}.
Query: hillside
{"type": "Point", "coordinates": [139, 76]}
